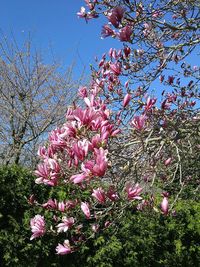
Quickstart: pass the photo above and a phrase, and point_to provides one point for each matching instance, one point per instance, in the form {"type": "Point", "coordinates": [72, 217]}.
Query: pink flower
{"type": "Point", "coordinates": [125, 33]}
{"type": "Point", "coordinates": [42, 172]}
{"type": "Point", "coordinates": [133, 192]}
{"type": "Point", "coordinates": [48, 172]}
{"type": "Point", "coordinates": [78, 178]}
{"type": "Point", "coordinates": [50, 204]}
{"type": "Point", "coordinates": [107, 224]}
{"type": "Point", "coordinates": [168, 161]}
{"type": "Point", "coordinates": [42, 152]}
{"type": "Point", "coordinates": [116, 15]}
{"type": "Point", "coordinates": [99, 141]}
{"type": "Point", "coordinates": [80, 149]}
{"type": "Point", "coordinates": [101, 163]}
{"type": "Point", "coordinates": [37, 226]}
{"type": "Point", "coordinates": [86, 15]}
{"type": "Point", "coordinates": [116, 68]}
{"type": "Point", "coordinates": [165, 104]}
{"type": "Point", "coordinates": [99, 194]}
{"type": "Point", "coordinates": [82, 13]}
{"type": "Point", "coordinates": [32, 200]}
{"type": "Point", "coordinates": [98, 166]}
{"type": "Point", "coordinates": [90, 4]}
{"type": "Point", "coordinates": [65, 225]}
{"type": "Point", "coordinates": [82, 91]}
{"type": "Point", "coordinates": [63, 249]}
{"type": "Point", "coordinates": [139, 122]}
{"type": "Point", "coordinates": [149, 104]}
{"type": "Point", "coordinates": [107, 31]}
{"type": "Point", "coordinates": [165, 205]}
{"type": "Point", "coordinates": [61, 206]}
{"type": "Point", "coordinates": [85, 209]}
{"type": "Point", "coordinates": [126, 100]}
{"type": "Point", "coordinates": [70, 204]}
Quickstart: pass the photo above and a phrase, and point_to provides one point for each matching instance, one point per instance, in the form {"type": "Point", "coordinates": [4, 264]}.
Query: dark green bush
{"type": "Point", "coordinates": [16, 249]}
{"type": "Point", "coordinates": [140, 239]}
{"type": "Point", "coordinates": [150, 239]}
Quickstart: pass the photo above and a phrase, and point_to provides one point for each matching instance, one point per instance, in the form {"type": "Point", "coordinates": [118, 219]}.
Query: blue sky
{"type": "Point", "coordinates": [55, 24]}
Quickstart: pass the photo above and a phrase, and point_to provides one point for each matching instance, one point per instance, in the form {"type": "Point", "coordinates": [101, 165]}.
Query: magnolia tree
{"type": "Point", "coordinates": [125, 147]}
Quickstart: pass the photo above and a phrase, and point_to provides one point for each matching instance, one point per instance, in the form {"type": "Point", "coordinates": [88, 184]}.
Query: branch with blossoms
{"type": "Point", "coordinates": [157, 32]}
{"type": "Point", "coordinates": [107, 167]}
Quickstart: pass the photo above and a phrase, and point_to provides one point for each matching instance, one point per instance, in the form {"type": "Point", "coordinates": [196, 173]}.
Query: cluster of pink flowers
{"type": "Point", "coordinates": [84, 135]}
{"type": "Point", "coordinates": [77, 153]}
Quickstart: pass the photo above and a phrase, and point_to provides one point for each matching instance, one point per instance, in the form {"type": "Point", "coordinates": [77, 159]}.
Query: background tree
{"type": "Point", "coordinates": [33, 99]}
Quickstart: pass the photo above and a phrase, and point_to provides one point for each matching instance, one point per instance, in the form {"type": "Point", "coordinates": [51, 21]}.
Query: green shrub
{"type": "Point", "coordinates": [150, 239]}
{"type": "Point", "coordinates": [140, 239]}
{"type": "Point", "coordinates": [16, 249]}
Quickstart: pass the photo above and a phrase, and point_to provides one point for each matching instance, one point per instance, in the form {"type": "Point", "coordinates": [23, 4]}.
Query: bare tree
{"type": "Point", "coordinates": [33, 98]}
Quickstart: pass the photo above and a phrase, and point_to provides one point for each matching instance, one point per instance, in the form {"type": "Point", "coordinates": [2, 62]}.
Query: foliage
{"type": "Point", "coordinates": [151, 239]}
{"type": "Point", "coordinates": [16, 248]}
{"type": "Point", "coordinates": [138, 239]}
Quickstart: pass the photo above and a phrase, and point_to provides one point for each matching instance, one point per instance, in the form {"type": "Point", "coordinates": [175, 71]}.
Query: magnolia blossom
{"type": "Point", "coordinates": [139, 122]}
{"type": "Point", "coordinates": [126, 100]}
{"type": "Point", "coordinates": [37, 226]}
{"type": "Point", "coordinates": [107, 224]}
{"type": "Point", "coordinates": [65, 225]}
{"type": "Point", "coordinates": [80, 149]}
{"type": "Point", "coordinates": [61, 206]}
{"type": "Point", "coordinates": [86, 15]}
{"type": "Point", "coordinates": [116, 15]}
{"type": "Point", "coordinates": [116, 68]}
{"type": "Point", "coordinates": [85, 209]}
{"type": "Point", "coordinates": [101, 163]}
{"type": "Point", "coordinates": [133, 192]}
{"type": "Point", "coordinates": [82, 13]}
{"type": "Point", "coordinates": [168, 161]}
{"type": "Point", "coordinates": [171, 79]}
{"type": "Point", "coordinates": [149, 104]}
{"type": "Point", "coordinates": [82, 92]}
{"type": "Point", "coordinates": [63, 249]}
{"type": "Point", "coordinates": [107, 31]}
{"type": "Point", "coordinates": [78, 178]}
{"type": "Point", "coordinates": [50, 204]}
{"type": "Point", "coordinates": [48, 172]}
{"type": "Point", "coordinates": [125, 33]}
{"type": "Point", "coordinates": [99, 166]}
{"type": "Point", "coordinates": [165, 205]}
{"type": "Point", "coordinates": [99, 194]}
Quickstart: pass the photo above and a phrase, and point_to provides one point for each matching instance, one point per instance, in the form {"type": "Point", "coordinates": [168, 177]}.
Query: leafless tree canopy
{"type": "Point", "coordinates": [33, 98]}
